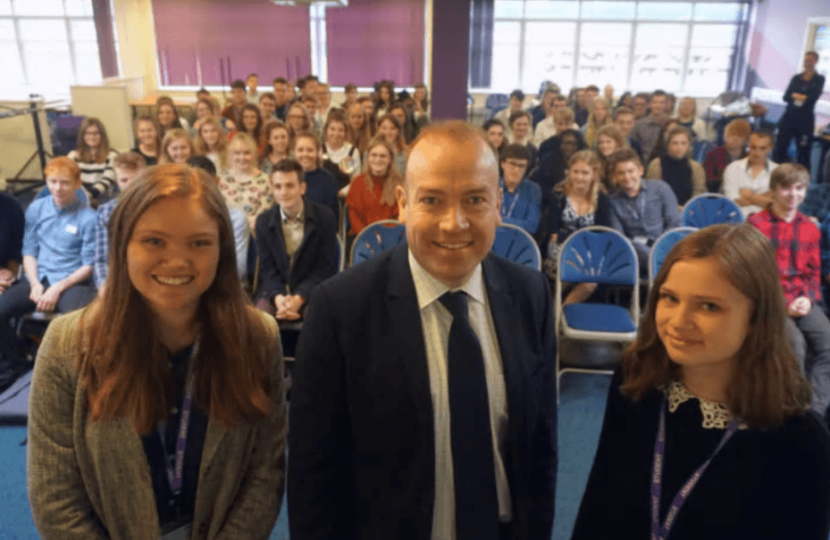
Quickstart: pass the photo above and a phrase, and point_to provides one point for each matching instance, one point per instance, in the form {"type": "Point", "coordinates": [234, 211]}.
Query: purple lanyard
{"type": "Point", "coordinates": [175, 472]}
{"type": "Point", "coordinates": [658, 533]}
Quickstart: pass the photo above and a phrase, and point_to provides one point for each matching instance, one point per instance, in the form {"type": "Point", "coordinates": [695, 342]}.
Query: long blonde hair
{"type": "Point", "coordinates": [392, 179]}
{"type": "Point", "coordinates": [590, 158]}
{"type": "Point", "coordinates": [593, 124]}
{"type": "Point", "coordinates": [202, 148]}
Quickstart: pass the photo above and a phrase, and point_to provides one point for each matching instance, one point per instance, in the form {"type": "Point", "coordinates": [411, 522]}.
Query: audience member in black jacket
{"type": "Point", "coordinates": [711, 378]}
{"type": "Point", "coordinates": [297, 245]}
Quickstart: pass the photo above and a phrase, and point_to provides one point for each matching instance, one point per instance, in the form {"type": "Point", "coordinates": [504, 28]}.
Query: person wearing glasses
{"type": "Point", "coordinates": [521, 198]}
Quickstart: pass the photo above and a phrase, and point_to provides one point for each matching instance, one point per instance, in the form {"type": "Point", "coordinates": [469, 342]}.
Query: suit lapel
{"type": "Point", "coordinates": [505, 312]}
{"type": "Point", "coordinates": [280, 253]}
{"type": "Point", "coordinates": [408, 333]}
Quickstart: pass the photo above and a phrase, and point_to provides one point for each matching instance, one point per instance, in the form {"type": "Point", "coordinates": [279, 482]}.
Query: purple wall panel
{"type": "Point", "coordinates": [369, 41]}
{"type": "Point", "coordinates": [255, 35]}
{"type": "Point", "coordinates": [450, 58]}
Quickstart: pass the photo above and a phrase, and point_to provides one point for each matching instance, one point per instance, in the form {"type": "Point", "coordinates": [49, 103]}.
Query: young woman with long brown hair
{"type": "Point", "coordinates": [372, 193]}
{"type": "Point", "coordinates": [94, 157]}
{"type": "Point", "coordinates": [275, 145]}
{"type": "Point", "coordinates": [161, 406]}
{"type": "Point", "coordinates": [707, 432]}
{"type": "Point", "coordinates": [212, 143]}
{"type": "Point", "coordinates": [340, 157]}
{"type": "Point", "coordinates": [176, 147]}
{"type": "Point", "coordinates": [361, 132]}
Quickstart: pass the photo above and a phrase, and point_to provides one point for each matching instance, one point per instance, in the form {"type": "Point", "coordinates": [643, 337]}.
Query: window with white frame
{"type": "Point", "coordinates": [636, 45]}
{"type": "Point", "coordinates": [46, 46]}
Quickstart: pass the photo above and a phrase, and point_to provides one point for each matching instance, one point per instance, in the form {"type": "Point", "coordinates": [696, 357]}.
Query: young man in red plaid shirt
{"type": "Point", "coordinates": [796, 240]}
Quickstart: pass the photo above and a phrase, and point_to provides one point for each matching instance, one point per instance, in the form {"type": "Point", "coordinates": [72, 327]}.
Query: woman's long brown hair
{"type": "Point", "coordinates": [84, 152]}
{"type": "Point", "coordinates": [768, 385]}
{"type": "Point", "coordinates": [125, 368]}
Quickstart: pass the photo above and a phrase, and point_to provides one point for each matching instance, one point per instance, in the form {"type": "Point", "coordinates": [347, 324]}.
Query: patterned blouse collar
{"type": "Point", "coordinates": [715, 415]}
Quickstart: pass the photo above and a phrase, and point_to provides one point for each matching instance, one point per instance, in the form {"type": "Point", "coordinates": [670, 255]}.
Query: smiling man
{"type": "Point", "coordinates": [796, 240]}
{"type": "Point", "coordinates": [58, 254]}
{"type": "Point", "coordinates": [642, 209]}
{"type": "Point", "coordinates": [424, 396]}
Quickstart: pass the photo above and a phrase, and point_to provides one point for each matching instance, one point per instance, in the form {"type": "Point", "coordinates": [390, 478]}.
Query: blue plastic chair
{"type": "Point", "coordinates": [376, 238]}
{"type": "Point", "coordinates": [700, 148]}
{"type": "Point", "coordinates": [661, 248]}
{"type": "Point", "coordinates": [604, 256]}
{"type": "Point", "coordinates": [515, 244]}
{"type": "Point", "coordinates": [711, 209]}
{"type": "Point", "coordinates": [495, 103]}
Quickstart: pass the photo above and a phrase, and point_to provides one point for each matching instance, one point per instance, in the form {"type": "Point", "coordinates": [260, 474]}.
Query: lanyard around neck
{"type": "Point", "coordinates": [175, 471]}
{"type": "Point", "coordinates": [658, 532]}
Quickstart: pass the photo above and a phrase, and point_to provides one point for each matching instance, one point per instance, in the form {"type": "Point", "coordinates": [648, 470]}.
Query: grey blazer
{"type": "Point", "coordinates": [92, 480]}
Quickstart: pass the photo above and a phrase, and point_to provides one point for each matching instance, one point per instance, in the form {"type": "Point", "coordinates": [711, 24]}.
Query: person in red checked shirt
{"type": "Point", "coordinates": [797, 248]}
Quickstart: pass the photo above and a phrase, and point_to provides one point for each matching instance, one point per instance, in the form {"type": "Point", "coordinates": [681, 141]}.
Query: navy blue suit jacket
{"type": "Point", "coordinates": [362, 461]}
{"type": "Point", "coordinates": [314, 262]}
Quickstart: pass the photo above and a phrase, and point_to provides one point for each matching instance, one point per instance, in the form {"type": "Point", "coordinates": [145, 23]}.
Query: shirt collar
{"type": "Point", "coordinates": [766, 164]}
{"type": "Point", "coordinates": [428, 289]}
{"type": "Point", "coordinates": [69, 208]}
{"type": "Point", "coordinates": [298, 219]}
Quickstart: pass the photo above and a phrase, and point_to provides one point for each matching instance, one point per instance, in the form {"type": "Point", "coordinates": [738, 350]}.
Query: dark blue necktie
{"type": "Point", "coordinates": [476, 501]}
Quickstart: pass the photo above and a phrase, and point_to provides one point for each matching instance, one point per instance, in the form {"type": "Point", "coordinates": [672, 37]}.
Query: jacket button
{"type": "Point", "coordinates": [203, 529]}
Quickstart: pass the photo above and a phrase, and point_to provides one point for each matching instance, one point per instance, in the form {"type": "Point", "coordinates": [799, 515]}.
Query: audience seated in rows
{"type": "Point", "coordinates": [746, 181]}
{"type": "Point", "coordinates": [372, 194]}
{"type": "Point", "coordinates": [58, 254]}
{"type": "Point", "coordinates": [297, 245]}
{"type": "Point", "coordinates": [736, 137]}
{"type": "Point", "coordinates": [684, 175]}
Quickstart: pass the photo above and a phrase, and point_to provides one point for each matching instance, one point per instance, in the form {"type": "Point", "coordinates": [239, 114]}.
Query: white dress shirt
{"type": "Point", "coordinates": [436, 321]}
{"type": "Point", "coordinates": [738, 176]}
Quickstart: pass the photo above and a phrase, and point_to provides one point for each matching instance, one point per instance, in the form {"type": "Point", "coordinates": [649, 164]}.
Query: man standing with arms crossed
{"type": "Point", "coordinates": [424, 397]}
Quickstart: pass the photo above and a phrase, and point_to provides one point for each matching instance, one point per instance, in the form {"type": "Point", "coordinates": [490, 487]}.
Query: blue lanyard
{"type": "Point", "coordinates": [661, 533]}
{"type": "Point", "coordinates": [509, 211]}
{"type": "Point", "coordinates": [175, 471]}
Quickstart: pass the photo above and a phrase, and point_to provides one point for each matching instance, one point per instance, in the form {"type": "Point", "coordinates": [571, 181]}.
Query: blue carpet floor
{"type": "Point", "coordinates": [580, 417]}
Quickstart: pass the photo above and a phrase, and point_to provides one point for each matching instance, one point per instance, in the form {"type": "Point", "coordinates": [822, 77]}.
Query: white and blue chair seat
{"type": "Point", "coordinates": [591, 317]}
{"type": "Point", "coordinates": [517, 245]}
{"type": "Point", "coordinates": [711, 209]}
{"type": "Point", "coordinates": [376, 238]}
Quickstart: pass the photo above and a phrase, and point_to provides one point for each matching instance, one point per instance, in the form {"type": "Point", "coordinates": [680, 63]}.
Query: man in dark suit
{"type": "Point", "coordinates": [297, 245]}
{"type": "Point", "coordinates": [424, 395]}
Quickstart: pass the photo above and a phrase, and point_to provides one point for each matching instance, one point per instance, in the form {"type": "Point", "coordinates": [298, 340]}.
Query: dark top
{"type": "Point", "coordinates": [12, 224]}
{"type": "Point", "coordinates": [764, 484]}
{"type": "Point", "coordinates": [315, 259]}
{"type": "Point", "coordinates": [321, 187]}
{"type": "Point", "coordinates": [677, 173]}
{"type": "Point", "coordinates": [172, 508]}
{"type": "Point", "coordinates": [151, 160]}
{"type": "Point", "coordinates": [362, 432]}
{"type": "Point", "coordinates": [558, 222]}
{"type": "Point", "coordinates": [812, 89]}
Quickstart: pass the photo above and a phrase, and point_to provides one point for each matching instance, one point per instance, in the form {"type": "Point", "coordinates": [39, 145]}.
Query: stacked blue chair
{"type": "Point", "coordinates": [376, 238]}
{"type": "Point", "coordinates": [604, 256]}
{"type": "Point", "coordinates": [515, 244]}
{"type": "Point", "coordinates": [495, 103]}
{"type": "Point", "coordinates": [711, 209]}
{"type": "Point", "coordinates": [661, 247]}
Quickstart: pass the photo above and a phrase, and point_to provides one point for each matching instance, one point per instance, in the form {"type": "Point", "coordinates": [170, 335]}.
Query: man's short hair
{"type": "Point", "coordinates": [289, 165]}
{"type": "Point", "coordinates": [624, 155]}
{"type": "Point", "coordinates": [623, 110]}
{"type": "Point", "coordinates": [563, 114]}
{"type": "Point", "coordinates": [658, 93]}
{"type": "Point", "coordinates": [63, 165]}
{"type": "Point", "coordinates": [252, 75]}
{"type": "Point", "coordinates": [350, 88]}
{"type": "Point", "coordinates": [764, 134]}
{"type": "Point", "coordinates": [739, 127]}
{"type": "Point", "coordinates": [238, 84]}
{"type": "Point", "coordinates": [280, 80]}
{"type": "Point", "coordinates": [515, 115]}
{"type": "Point", "coordinates": [269, 95]}
{"type": "Point", "coordinates": [202, 91]}
{"type": "Point", "coordinates": [517, 94]}
{"type": "Point", "coordinates": [516, 151]}
{"type": "Point", "coordinates": [204, 163]}
{"type": "Point", "coordinates": [592, 88]}
{"type": "Point", "coordinates": [131, 161]}
{"type": "Point", "coordinates": [456, 131]}
{"type": "Point", "coordinates": [812, 53]}
{"type": "Point", "coordinates": [789, 174]}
